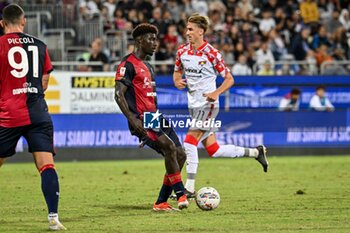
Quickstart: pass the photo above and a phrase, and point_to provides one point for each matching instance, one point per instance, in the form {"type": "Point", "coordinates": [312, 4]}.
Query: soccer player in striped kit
{"type": "Point", "coordinates": [24, 74]}
{"type": "Point", "coordinates": [200, 63]}
{"type": "Point", "coordinates": [135, 93]}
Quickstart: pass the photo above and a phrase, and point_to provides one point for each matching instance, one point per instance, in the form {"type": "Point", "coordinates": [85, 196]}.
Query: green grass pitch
{"type": "Point", "coordinates": [117, 196]}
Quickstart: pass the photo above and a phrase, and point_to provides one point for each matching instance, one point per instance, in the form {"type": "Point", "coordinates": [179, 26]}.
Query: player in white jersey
{"type": "Point", "coordinates": [200, 63]}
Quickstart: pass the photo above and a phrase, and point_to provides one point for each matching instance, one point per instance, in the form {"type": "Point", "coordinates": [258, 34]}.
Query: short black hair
{"type": "Point", "coordinates": [12, 13]}
{"type": "Point", "coordinates": [143, 29]}
{"type": "Point", "coordinates": [295, 91]}
{"type": "Point", "coordinates": [321, 88]}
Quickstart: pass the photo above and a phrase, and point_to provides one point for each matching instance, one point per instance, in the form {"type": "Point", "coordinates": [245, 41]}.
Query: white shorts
{"type": "Point", "coordinates": [204, 118]}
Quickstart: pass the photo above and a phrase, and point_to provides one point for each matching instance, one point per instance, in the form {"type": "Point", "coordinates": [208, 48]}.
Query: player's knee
{"type": "Point", "coordinates": [181, 155]}
{"type": "Point", "coordinates": [170, 151]}
{"type": "Point", "coordinates": [212, 149]}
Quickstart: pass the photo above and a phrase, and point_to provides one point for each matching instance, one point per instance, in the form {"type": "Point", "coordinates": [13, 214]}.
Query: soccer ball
{"type": "Point", "coordinates": [207, 198]}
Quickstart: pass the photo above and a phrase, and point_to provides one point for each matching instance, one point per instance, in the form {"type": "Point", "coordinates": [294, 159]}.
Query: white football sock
{"type": "Point", "coordinates": [229, 151]}
{"type": "Point", "coordinates": [191, 165]}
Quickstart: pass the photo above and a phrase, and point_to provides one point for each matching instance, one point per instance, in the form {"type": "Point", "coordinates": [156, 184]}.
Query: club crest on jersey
{"type": "Point", "coordinates": [122, 71]}
{"type": "Point", "coordinates": [202, 63]}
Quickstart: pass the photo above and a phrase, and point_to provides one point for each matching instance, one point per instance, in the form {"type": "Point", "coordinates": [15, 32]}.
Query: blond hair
{"type": "Point", "coordinates": [200, 20]}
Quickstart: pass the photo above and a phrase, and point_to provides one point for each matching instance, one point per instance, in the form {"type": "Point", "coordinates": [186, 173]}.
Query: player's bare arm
{"type": "Point", "coordinates": [45, 81]}
{"type": "Point", "coordinates": [227, 84]}
{"type": "Point", "coordinates": [179, 82]}
{"type": "Point", "coordinates": [120, 90]}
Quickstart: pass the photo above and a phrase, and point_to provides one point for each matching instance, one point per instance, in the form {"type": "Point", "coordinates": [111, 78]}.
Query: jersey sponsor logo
{"type": "Point", "coordinates": [195, 71]}
{"type": "Point", "coordinates": [202, 63]}
{"type": "Point", "coordinates": [142, 70]}
{"type": "Point", "coordinates": [93, 82]}
{"type": "Point", "coordinates": [150, 94]}
{"type": "Point", "coordinates": [27, 88]}
{"type": "Point", "coordinates": [24, 40]}
{"type": "Point", "coordinates": [147, 83]}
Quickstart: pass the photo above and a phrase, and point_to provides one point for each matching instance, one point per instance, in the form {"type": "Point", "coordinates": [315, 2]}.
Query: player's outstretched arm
{"type": "Point", "coordinates": [119, 96]}
{"type": "Point", "coordinates": [178, 81]}
{"type": "Point", "coordinates": [226, 84]}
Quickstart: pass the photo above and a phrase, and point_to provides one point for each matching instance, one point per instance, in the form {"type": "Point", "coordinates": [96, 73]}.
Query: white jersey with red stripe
{"type": "Point", "coordinates": [201, 68]}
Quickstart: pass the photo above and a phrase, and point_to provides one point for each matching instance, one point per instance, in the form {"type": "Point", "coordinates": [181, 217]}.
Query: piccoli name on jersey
{"type": "Point", "coordinates": [24, 40]}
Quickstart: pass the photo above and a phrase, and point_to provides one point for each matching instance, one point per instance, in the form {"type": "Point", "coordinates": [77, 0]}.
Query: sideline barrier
{"type": "Point", "coordinates": [93, 92]}
{"type": "Point", "coordinates": [274, 129]}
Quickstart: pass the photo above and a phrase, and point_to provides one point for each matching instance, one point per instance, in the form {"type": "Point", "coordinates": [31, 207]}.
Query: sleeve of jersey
{"type": "Point", "coordinates": [47, 64]}
{"type": "Point", "coordinates": [124, 73]}
{"type": "Point", "coordinates": [178, 65]}
{"type": "Point", "coordinates": [219, 64]}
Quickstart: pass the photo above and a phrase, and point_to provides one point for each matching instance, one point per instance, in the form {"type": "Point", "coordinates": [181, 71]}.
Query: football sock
{"type": "Point", "coordinates": [190, 182]}
{"type": "Point", "coordinates": [248, 152]}
{"type": "Point", "coordinates": [165, 191]}
{"type": "Point", "coordinates": [190, 144]}
{"type": "Point", "coordinates": [229, 151]}
{"type": "Point", "coordinates": [176, 183]}
{"type": "Point", "coordinates": [50, 187]}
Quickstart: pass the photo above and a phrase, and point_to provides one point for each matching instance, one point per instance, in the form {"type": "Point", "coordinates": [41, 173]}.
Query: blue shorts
{"type": "Point", "coordinates": [39, 137]}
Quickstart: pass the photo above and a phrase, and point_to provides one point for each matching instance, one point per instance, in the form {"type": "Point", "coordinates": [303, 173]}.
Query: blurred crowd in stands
{"type": "Point", "coordinates": [252, 35]}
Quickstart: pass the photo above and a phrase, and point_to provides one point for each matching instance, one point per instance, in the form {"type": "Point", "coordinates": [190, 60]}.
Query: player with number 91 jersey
{"type": "Point", "coordinates": [24, 63]}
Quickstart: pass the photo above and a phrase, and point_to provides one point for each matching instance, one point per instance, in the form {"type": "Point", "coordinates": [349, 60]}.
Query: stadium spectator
{"type": "Point", "coordinates": [340, 40]}
{"type": "Point", "coordinates": [344, 19]}
{"type": "Point", "coordinates": [90, 9]}
{"type": "Point", "coordinates": [280, 19]}
{"type": "Point", "coordinates": [299, 44]}
{"type": "Point", "coordinates": [157, 21]}
{"type": "Point", "coordinates": [175, 9]}
{"type": "Point", "coordinates": [311, 68]}
{"type": "Point", "coordinates": [111, 6]}
{"type": "Point", "coordinates": [227, 53]}
{"type": "Point", "coordinates": [239, 49]}
{"type": "Point", "coordinates": [132, 17]}
{"type": "Point", "coordinates": [264, 54]}
{"type": "Point", "coordinates": [119, 19]}
{"type": "Point", "coordinates": [277, 45]}
{"type": "Point", "coordinates": [245, 6]}
{"type": "Point", "coordinates": [333, 24]}
{"type": "Point", "coordinates": [320, 102]}
{"type": "Point", "coordinates": [320, 38]}
{"type": "Point", "coordinates": [290, 7]}
{"type": "Point", "coordinates": [249, 37]}
{"type": "Point", "coordinates": [291, 101]}
{"type": "Point", "coordinates": [241, 68]}
{"type": "Point", "coordinates": [271, 5]}
{"type": "Point", "coordinates": [322, 54]}
{"type": "Point", "coordinates": [287, 68]}
{"type": "Point", "coordinates": [267, 23]}
{"type": "Point", "coordinates": [254, 24]}
{"type": "Point", "coordinates": [266, 69]}
{"type": "Point", "coordinates": [200, 6]}
{"type": "Point", "coordinates": [97, 54]}
{"type": "Point", "coordinates": [309, 12]}
{"type": "Point", "coordinates": [325, 9]}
